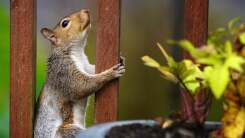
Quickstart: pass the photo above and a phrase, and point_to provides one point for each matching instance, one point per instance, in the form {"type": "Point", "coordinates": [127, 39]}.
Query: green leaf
{"type": "Point", "coordinates": [187, 73]}
{"type": "Point", "coordinates": [187, 45]}
{"type": "Point", "coordinates": [207, 71]}
{"type": "Point", "coordinates": [217, 36]}
{"type": "Point", "coordinates": [235, 62]}
{"type": "Point", "coordinates": [234, 22]}
{"type": "Point", "coordinates": [210, 60]}
{"type": "Point", "coordinates": [169, 59]}
{"type": "Point", "coordinates": [150, 62]}
{"type": "Point", "coordinates": [242, 38]}
{"type": "Point", "coordinates": [192, 83]}
{"type": "Point", "coordinates": [221, 32]}
{"type": "Point", "coordinates": [195, 52]}
{"type": "Point", "coordinates": [184, 67]}
{"type": "Point", "coordinates": [228, 47]}
{"type": "Point", "coordinates": [163, 51]}
{"type": "Point", "coordinates": [190, 75]}
{"type": "Point", "coordinates": [218, 79]}
{"type": "Point", "coordinates": [167, 74]}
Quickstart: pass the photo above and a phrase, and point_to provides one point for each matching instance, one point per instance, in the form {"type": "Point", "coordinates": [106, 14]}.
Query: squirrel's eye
{"type": "Point", "coordinates": [65, 23]}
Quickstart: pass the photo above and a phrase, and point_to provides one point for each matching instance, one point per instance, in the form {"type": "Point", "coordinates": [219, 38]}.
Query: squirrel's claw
{"type": "Point", "coordinates": [118, 70]}
{"type": "Point", "coordinates": [122, 60]}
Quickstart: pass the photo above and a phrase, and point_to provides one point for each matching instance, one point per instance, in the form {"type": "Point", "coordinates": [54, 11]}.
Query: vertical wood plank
{"type": "Point", "coordinates": [195, 30]}
{"type": "Point", "coordinates": [196, 21]}
{"type": "Point", "coordinates": [22, 67]}
{"type": "Point", "coordinates": [107, 55]}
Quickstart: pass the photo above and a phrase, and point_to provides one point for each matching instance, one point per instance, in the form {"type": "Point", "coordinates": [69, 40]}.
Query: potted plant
{"type": "Point", "coordinates": [215, 69]}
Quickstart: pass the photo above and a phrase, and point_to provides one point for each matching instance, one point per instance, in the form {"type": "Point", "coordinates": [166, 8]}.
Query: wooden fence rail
{"type": "Point", "coordinates": [23, 57]}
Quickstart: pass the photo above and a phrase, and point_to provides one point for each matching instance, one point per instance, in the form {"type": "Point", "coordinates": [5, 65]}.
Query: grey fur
{"type": "Point", "coordinates": [66, 86]}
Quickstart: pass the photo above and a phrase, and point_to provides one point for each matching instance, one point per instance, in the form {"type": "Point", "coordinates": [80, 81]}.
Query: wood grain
{"type": "Point", "coordinates": [107, 55]}
{"type": "Point", "coordinates": [196, 21]}
{"type": "Point", "coordinates": [195, 30]}
{"type": "Point", "coordinates": [22, 67]}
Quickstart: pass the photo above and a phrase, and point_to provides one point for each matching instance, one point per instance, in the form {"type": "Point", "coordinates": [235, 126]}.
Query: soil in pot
{"type": "Point", "coordinates": [179, 130]}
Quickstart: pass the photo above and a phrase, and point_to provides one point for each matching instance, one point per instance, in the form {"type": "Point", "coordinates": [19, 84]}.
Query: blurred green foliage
{"type": "Point", "coordinates": [41, 68]}
{"type": "Point", "coordinates": [219, 58]}
{"type": "Point", "coordinates": [4, 71]}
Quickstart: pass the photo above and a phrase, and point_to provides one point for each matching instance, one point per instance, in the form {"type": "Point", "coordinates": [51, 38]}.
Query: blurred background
{"type": "Point", "coordinates": [143, 93]}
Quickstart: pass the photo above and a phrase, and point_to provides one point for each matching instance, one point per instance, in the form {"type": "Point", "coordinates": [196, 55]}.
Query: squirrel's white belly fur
{"type": "Point", "coordinates": [78, 113]}
{"type": "Point", "coordinates": [81, 61]}
{"type": "Point", "coordinates": [52, 114]}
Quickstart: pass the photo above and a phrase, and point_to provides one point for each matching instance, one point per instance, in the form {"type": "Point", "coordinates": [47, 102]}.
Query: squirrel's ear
{"type": "Point", "coordinates": [49, 34]}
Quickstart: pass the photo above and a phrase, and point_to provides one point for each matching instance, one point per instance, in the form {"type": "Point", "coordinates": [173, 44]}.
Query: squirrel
{"type": "Point", "coordinates": [70, 79]}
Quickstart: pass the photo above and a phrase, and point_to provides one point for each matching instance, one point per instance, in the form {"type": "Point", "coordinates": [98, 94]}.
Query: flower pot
{"type": "Point", "coordinates": [148, 129]}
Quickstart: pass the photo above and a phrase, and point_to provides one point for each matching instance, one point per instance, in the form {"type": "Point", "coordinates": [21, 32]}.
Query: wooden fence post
{"type": "Point", "coordinates": [107, 55]}
{"type": "Point", "coordinates": [22, 67]}
{"type": "Point", "coordinates": [196, 21]}
{"type": "Point", "coordinates": [195, 30]}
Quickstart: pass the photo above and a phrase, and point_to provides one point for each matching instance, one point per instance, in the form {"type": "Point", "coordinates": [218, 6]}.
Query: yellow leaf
{"type": "Point", "coordinates": [234, 126]}
{"type": "Point", "coordinates": [167, 74]}
{"type": "Point", "coordinates": [150, 62]}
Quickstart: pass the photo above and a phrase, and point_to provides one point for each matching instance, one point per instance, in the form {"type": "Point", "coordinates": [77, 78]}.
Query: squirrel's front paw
{"type": "Point", "coordinates": [118, 70]}
{"type": "Point", "coordinates": [122, 60]}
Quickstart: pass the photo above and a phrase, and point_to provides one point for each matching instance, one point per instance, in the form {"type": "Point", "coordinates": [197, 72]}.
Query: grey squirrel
{"type": "Point", "coordinates": [70, 79]}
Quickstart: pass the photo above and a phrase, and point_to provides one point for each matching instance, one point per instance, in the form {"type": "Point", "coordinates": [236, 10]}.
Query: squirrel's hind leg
{"type": "Point", "coordinates": [68, 131]}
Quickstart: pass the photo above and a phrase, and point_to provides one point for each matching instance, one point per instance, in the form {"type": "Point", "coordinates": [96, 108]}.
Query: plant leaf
{"type": "Point", "coordinates": [195, 52]}
{"type": "Point", "coordinates": [150, 62]}
{"type": "Point", "coordinates": [190, 75]}
{"type": "Point", "coordinates": [187, 45]}
{"type": "Point", "coordinates": [169, 59]}
{"type": "Point", "coordinates": [167, 74]}
{"type": "Point", "coordinates": [242, 38]}
{"type": "Point", "coordinates": [237, 127]}
{"type": "Point", "coordinates": [192, 83]}
{"type": "Point", "coordinates": [228, 47]}
{"type": "Point", "coordinates": [210, 60]}
{"type": "Point", "coordinates": [218, 78]}
{"type": "Point", "coordinates": [235, 62]}
{"type": "Point", "coordinates": [233, 22]}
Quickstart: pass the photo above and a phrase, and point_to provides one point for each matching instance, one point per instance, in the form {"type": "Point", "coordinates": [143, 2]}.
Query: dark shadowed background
{"type": "Point", "coordinates": [143, 93]}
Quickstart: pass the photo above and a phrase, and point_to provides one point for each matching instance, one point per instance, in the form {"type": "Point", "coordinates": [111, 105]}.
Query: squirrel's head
{"type": "Point", "coordinates": [72, 28]}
